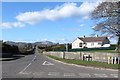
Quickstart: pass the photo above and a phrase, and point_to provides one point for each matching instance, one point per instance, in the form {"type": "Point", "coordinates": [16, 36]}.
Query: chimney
{"type": "Point", "coordinates": [84, 36]}
{"type": "Point", "coordinates": [97, 36]}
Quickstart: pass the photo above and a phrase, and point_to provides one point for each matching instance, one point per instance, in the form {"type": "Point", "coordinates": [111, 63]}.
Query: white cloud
{"type": "Point", "coordinates": [5, 25]}
{"type": "Point", "coordinates": [81, 25]}
{"type": "Point", "coordinates": [86, 8]}
{"type": "Point", "coordinates": [64, 11]}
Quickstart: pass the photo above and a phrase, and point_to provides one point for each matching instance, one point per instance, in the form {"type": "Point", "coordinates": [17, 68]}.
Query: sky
{"type": "Point", "coordinates": [59, 22]}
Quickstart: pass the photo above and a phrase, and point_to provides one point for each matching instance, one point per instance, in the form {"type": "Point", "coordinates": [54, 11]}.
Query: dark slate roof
{"type": "Point", "coordinates": [92, 39]}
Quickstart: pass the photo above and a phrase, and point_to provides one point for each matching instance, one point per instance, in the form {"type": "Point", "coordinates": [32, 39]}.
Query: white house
{"type": "Point", "coordinates": [90, 42]}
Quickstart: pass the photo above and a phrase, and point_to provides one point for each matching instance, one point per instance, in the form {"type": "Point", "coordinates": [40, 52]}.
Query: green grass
{"type": "Point", "coordinates": [87, 63]}
{"type": "Point", "coordinates": [109, 51]}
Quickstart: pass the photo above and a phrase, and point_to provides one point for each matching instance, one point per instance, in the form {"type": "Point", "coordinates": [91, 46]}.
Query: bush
{"type": "Point", "coordinates": [59, 47]}
{"type": "Point", "coordinates": [48, 49]}
{"type": "Point", "coordinates": [8, 50]}
{"type": "Point", "coordinates": [13, 49]}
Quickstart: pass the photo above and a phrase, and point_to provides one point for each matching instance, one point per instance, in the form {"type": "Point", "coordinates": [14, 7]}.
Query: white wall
{"type": "Point", "coordinates": [75, 43]}
{"type": "Point", "coordinates": [93, 45]}
{"type": "Point", "coordinates": [106, 45]}
{"type": "Point", "coordinates": [96, 45]}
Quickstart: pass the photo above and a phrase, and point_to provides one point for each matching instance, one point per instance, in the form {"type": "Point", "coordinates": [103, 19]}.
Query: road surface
{"type": "Point", "coordinates": [40, 66]}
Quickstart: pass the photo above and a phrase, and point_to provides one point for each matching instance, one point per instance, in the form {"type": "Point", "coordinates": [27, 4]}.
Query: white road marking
{"type": "Point", "coordinates": [34, 58]}
{"type": "Point", "coordinates": [27, 66]}
{"type": "Point", "coordinates": [100, 75]}
{"type": "Point", "coordinates": [114, 75]}
{"type": "Point", "coordinates": [54, 73]}
{"type": "Point", "coordinates": [25, 72]}
{"type": "Point", "coordinates": [40, 73]}
{"type": "Point", "coordinates": [69, 74]}
{"type": "Point", "coordinates": [47, 63]}
{"type": "Point", "coordinates": [84, 75]}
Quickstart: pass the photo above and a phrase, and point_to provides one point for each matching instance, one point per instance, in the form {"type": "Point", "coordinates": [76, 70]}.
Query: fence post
{"type": "Point", "coordinates": [112, 60]}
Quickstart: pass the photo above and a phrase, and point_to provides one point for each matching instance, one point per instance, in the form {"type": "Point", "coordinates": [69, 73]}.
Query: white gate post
{"type": "Point", "coordinates": [115, 60]}
{"type": "Point", "coordinates": [109, 60]}
{"type": "Point", "coordinates": [112, 60]}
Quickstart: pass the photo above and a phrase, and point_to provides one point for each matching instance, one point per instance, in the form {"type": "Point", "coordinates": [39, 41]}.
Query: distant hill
{"type": "Point", "coordinates": [16, 43]}
{"type": "Point", "coordinates": [44, 43]}
{"type": "Point", "coordinates": [23, 44]}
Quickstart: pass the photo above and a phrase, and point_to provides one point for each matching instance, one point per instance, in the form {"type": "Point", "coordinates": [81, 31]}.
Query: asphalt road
{"type": "Point", "coordinates": [40, 66]}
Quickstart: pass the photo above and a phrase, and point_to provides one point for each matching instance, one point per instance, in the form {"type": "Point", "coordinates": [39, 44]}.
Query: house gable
{"type": "Point", "coordinates": [76, 43]}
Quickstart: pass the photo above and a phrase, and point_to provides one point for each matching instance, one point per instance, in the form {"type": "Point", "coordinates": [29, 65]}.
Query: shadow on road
{"type": "Point", "coordinates": [13, 57]}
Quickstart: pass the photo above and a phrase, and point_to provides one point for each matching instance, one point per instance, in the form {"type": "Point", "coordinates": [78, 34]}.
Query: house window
{"type": "Point", "coordinates": [99, 43]}
{"type": "Point", "coordinates": [92, 44]}
{"type": "Point", "coordinates": [80, 44]}
{"type": "Point", "coordinates": [85, 43]}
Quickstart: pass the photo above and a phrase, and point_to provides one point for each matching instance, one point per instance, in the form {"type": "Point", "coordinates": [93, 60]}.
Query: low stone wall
{"type": "Point", "coordinates": [57, 54]}
{"type": "Point", "coordinates": [94, 56]}
{"type": "Point", "coordinates": [73, 55]}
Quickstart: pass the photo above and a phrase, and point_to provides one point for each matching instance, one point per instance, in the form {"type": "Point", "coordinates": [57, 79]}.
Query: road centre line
{"type": "Point", "coordinates": [25, 68]}
{"type": "Point", "coordinates": [27, 65]}
{"type": "Point", "coordinates": [34, 58]}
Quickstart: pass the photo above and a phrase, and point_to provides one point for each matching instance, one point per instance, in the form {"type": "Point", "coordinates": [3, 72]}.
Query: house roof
{"type": "Point", "coordinates": [92, 39]}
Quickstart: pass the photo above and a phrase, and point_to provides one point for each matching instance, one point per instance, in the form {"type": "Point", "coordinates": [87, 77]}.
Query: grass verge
{"type": "Point", "coordinates": [87, 63]}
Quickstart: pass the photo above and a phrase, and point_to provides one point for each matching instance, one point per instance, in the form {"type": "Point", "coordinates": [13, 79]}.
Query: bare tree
{"type": "Point", "coordinates": [108, 16]}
